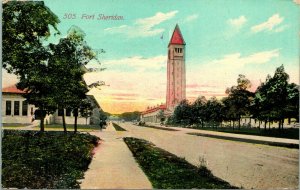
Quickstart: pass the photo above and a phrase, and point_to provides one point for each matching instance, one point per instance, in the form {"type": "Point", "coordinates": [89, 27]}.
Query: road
{"type": "Point", "coordinates": [241, 164]}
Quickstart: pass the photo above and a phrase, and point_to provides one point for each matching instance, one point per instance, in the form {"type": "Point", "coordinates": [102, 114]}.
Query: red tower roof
{"type": "Point", "coordinates": [177, 37]}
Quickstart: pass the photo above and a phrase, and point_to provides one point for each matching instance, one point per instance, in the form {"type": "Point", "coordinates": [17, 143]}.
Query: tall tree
{"type": "Point", "coordinates": [67, 63]}
{"type": "Point", "coordinates": [182, 113]}
{"type": "Point", "coordinates": [199, 112]}
{"type": "Point", "coordinates": [25, 26]}
{"type": "Point", "coordinates": [213, 111]}
{"type": "Point", "coordinates": [240, 97]}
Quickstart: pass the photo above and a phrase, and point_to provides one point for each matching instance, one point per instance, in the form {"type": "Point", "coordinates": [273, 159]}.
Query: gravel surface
{"type": "Point", "coordinates": [241, 164]}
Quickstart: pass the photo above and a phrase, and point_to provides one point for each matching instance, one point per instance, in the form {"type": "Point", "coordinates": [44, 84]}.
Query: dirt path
{"type": "Point", "coordinates": [241, 164]}
{"type": "Point", "coordinates": [113, 166]}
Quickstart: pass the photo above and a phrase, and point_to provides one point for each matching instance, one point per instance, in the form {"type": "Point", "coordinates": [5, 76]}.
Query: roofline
{"type": "Point", "coordinates": [177, 26]}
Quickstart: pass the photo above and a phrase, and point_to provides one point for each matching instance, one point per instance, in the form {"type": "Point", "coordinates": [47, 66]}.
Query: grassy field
{"type": "Point", "coordinates": [290, 133]}
{"type": "Point", "coordinates": [14, 125]}
{"type": "Point", "coordinates": [35, 160]}
{"type": "Point", "coordinates": [167, 171]}
{"type": "Point", "coordinates": [161, 128]}
{"type": "Point", "coordinates": [57, 127]}
{"type": "Point", "coordinates": [118, 127]}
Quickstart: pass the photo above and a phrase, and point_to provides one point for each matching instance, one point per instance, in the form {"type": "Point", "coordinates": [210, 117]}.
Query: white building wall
{"type": "Point", "coordinates": [70, 119]}
{"type": "Point", "coordinates": [49, 119]}
{"type": "Point", "coordinates": [12, 118]}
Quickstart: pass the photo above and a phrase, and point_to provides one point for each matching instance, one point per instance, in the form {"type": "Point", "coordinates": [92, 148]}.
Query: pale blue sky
{"type": "Point", "coordinates": [224, 38]}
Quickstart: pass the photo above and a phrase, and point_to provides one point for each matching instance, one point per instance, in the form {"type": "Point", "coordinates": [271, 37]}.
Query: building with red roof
{"type": "Point", "coordinates": [15, 109]}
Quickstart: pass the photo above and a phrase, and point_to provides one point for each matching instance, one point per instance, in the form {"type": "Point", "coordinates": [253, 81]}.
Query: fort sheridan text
{"type": "Point", "coordinates": [99, 16]}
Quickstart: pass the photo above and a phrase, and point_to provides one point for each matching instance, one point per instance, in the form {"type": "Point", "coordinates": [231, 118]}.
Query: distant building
{"type": "Point", "coordinates": [15, 109]}
{"type": "Point", "coordinates": [154, 114]}
{"type": "Point", "coordinates": [176, 79]}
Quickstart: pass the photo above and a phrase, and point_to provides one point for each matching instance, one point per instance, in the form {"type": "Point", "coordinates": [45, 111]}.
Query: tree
{"type": "Point", "coordinates": [292, 106]}
{"type": "Point", "coordinates": [199, 112]}
{"type": "Point", "coordinates": [25, 26]}
{"type": "Point", "coordinates": [239, 98]}
{"type": "Point", "coordinates": [182, 113]}
{"type": "Point", "coordinates": [130, 116]}
{"type": "Point", "coordinates": [85, 109]}
{"type": "Point", "coordinates": [213, 111]}
{"type": "Point", "coordinates": [68, 59]}
{"type": "Point", "coordinates": [102, 118]}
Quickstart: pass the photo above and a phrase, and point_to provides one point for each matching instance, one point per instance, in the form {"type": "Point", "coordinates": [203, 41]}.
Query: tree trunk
{"type": "Point", "coordinates": [239, 123]}
{"type": "Point", "coordinates": [289, 120]}
{"type": "Point", "coordinates": [233, 125]}
{"type": "Point", "coordinates": [64, 121]}
{"type": "Point", "coordinates": [258, 125]}
{"type": "Point", "coordinates": [86, 121]}
{"type": "Point", "coordinates": [42, 126]}
{"type": "Point", "coordinates": [279, 124]}
{"type": "Point", "coordinates": [202, 123]}
{"type": "Point", "coordinates": [75, 113]}
{"type": "Point", "coordinates": [282, 124]}
{"type": "Point", "coordinates": [265, 125]}
{"type": "Point", "coordinates": [75, 124]}
{"type": "Point", "coordinates": [269, 125]}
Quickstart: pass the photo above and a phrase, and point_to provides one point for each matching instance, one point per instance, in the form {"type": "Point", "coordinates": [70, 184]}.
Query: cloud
{"type": "Point", "coordinates": [297, 2]}
{"type": "Point", "coordinates": [255, 58]}
{"type": "Point", "coordinates": [191, 18]}
{"type": "Point", "coordinates": [237, 22]}
{"type": "Point", "coordinates": [139, 62]}
{"type": "Point", "coordinates": [144, 27]}
{"type": "Point", "coordinates": [270, 25]}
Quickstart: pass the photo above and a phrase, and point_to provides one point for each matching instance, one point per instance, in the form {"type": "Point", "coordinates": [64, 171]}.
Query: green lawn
{"type": "Point", "coordinates": [118, 127]}
{"type": "Point", "coordinates": [167, 171]}
{"type": "Point", "coordinates": [290, 133]}
{"type": "Point", "coordinates": [35, 160]}
{"type": "Point", "coordinates": [14, 125]}
{"type": "Point", "coordinates": [70, 127]}
{"type": "Point", "coordinates": [161, 128]}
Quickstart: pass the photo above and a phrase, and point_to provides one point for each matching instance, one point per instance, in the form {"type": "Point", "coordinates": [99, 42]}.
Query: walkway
{"type": "Point", "coordinates": [113, 165]}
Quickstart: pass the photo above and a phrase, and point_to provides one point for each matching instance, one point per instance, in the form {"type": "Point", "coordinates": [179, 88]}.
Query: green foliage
{"type": "Point", "coordinates": [25, 26]}
{"type": "Point", "coordinates": [167, 171]}
{"type": "Point", "coordinates": [161, 128]}
{"type": "Point", "coordinates": [130, 116]}
{"type": "Point", "coordinates": [276, 99]}
{"type": "Point", "coordinates": [183, 113]}
{"type": "Point", "coordinates": [45, 160]}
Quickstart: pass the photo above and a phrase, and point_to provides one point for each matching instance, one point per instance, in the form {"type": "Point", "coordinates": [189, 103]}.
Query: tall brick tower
{"type": "Point", "coordinates": [176, 70]}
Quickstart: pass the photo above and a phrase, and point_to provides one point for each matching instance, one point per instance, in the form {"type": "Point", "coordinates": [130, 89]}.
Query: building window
{"type": "Point", "coordinates": [16, 108]}
{"type": "Point", "coordinates": [24, 108]}
{"type": "Point", "coordinates": [68, 112]}
{"type": "Point", "coordinates": [60, 112]}
{"type": "Point", "coordinates": [178, 50]}
{"type": "Point", "coordinates": [8, 107]}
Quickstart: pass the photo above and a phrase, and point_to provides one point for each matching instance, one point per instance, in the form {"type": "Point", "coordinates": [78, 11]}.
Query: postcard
{"type": "Point", "coordinates": [128, 94]}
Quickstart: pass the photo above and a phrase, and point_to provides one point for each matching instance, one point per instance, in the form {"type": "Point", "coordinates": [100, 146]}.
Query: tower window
{"type": "Point", "coordinates": [178, 50]}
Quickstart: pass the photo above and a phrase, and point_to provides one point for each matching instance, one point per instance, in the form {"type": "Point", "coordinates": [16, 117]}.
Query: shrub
{"type": "Point", "coordinates": [37, 160]}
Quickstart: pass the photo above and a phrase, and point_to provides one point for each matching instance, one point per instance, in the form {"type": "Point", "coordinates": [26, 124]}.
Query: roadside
{"type": "Point", "coordinates": [241, 164]}
{"type": "Point", "coordinates": [291, 143]}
